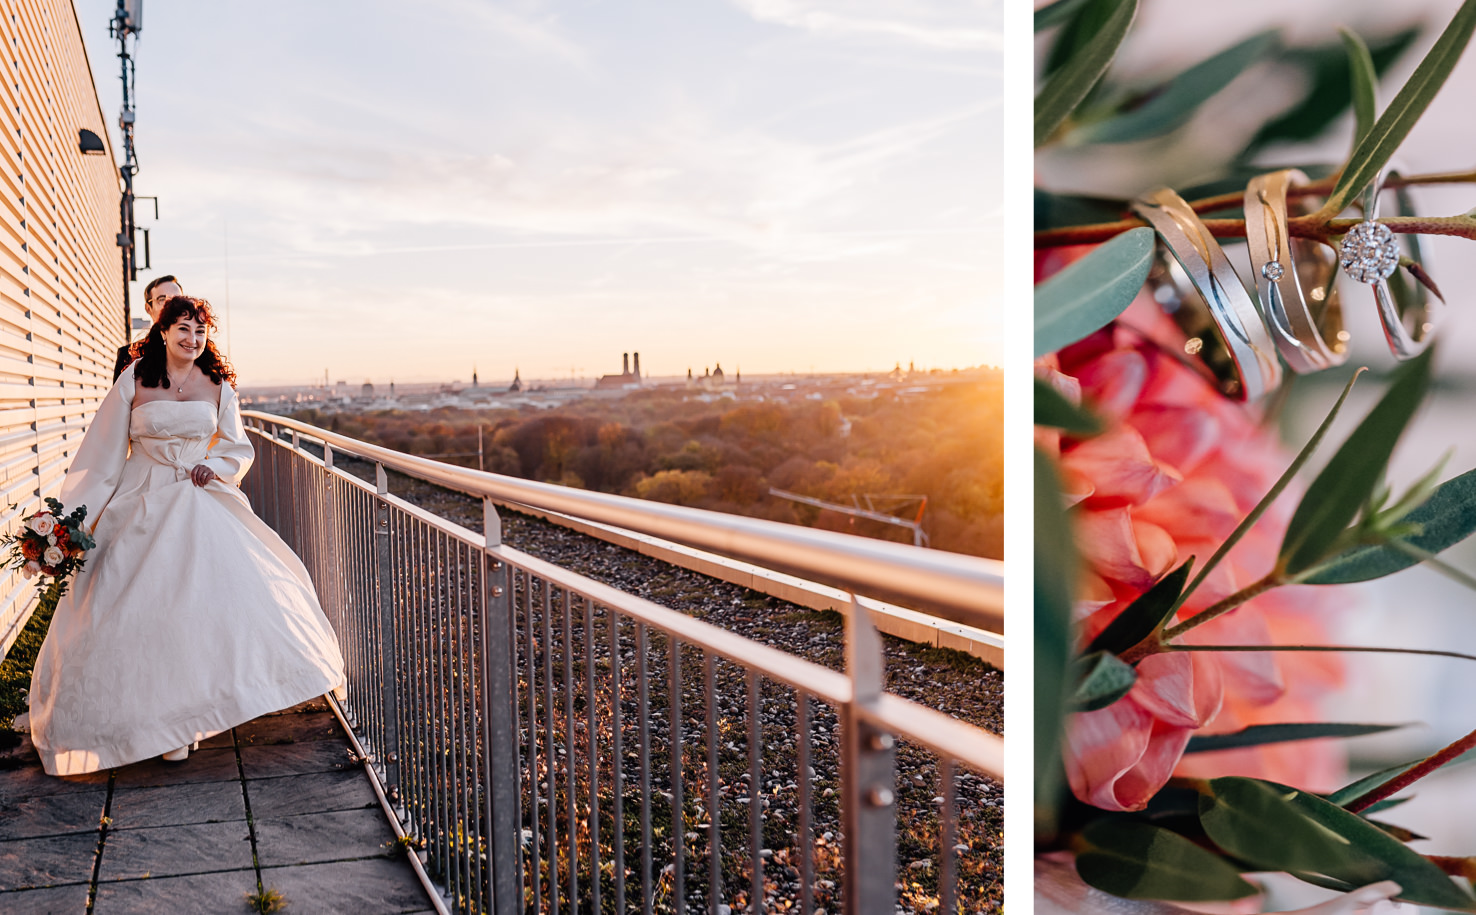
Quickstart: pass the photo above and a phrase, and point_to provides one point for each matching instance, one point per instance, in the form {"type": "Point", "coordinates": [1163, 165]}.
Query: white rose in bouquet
{"type": "Point", "coordinates": [43, 524]}
{"type": "Point", "coordinates": [53, 556]}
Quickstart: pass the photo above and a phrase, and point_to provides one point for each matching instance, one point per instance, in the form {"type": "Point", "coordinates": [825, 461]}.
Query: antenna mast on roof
{"type": "Point", "coordinates": [127, 22]}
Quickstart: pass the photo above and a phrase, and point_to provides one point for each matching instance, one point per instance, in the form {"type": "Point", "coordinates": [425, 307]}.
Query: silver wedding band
{"type": "Point", "coordinates": [1224, 329]}
{"type": "Point", "coordinates": [1294, 277]}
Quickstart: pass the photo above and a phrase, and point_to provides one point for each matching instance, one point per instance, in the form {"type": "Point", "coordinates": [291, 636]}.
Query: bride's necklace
{"type": "Point", "coordinates": [178, 388]}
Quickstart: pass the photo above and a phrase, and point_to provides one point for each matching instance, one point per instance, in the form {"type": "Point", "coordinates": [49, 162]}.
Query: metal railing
{"type": "Point", "coordinates": [553, 744]}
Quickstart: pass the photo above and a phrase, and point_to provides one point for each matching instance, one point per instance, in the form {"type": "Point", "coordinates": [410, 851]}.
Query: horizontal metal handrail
{"type": "Point", "coordinates": [964, 589]}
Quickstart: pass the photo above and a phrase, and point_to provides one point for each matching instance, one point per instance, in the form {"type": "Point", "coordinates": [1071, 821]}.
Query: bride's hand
{"type": "Point", "coordinates": [202, 475]}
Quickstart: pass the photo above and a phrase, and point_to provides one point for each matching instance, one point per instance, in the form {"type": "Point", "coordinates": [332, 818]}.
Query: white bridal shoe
{"type": "Point", "coordinates": [181, 754]}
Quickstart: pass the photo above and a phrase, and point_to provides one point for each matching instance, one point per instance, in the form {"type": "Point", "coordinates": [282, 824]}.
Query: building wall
{"type": "Point", "coordinates": [61, 299]}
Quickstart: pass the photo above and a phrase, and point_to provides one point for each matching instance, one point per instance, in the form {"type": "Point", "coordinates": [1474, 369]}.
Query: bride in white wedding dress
{"type": "Point", "coordinates": [191, 615]}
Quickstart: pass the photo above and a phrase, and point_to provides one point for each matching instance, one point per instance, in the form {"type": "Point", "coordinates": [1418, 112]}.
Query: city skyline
{"type": "Point", "coordinates": [793, 186]}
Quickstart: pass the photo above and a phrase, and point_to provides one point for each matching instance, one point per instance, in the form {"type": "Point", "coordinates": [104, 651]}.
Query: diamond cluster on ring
{"type": "Point", "coordinates": [1272, 270]}
{"type": "Point", "coordinates": [1369, 252]}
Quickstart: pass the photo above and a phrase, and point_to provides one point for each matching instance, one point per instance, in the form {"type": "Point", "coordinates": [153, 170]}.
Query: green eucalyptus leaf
{"type": "Point", "coordinates": [1374, 151]}
{"type": "Point", "coordinates": [1333, 500]}
{"type": "Point", "coordinates": [1137, 860]}
{"type": "Point", "coordinates": [1084, 66]}
{"type": "Point", "coordinates": [1057, 13]}
{"type": "Point", "coordinates": [1351, 792]}
{"type": "Point", "coordinates": [1329, 89]}
{"type": "Point", "coordinates": [1445, 519]}
{"type": "Point", "coordinates": [1055, 411]}
{"type": "Point", "coordinates": [1101, 678]}
{"type": "Point", "coordinates": [1364, 83]}
{"type": "Point", "coordinates": [1089, 293]}
{"type": "Point", "coordinates": [1144, 615]}
{"type": "Point", "coordinates": [1174, 102]}
{"type": "Point", "coordinates": [1274, 827]}
{"type": "Point", "coordinates": [1262, 734]}
{"type": "Point", "coordinates": [1055, 584]}
{"type": "Point", "coordinates": [1055, 211]}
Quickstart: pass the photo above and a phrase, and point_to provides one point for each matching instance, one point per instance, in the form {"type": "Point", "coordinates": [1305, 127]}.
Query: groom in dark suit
{"type": "Point", "coordinates": [160, 290]}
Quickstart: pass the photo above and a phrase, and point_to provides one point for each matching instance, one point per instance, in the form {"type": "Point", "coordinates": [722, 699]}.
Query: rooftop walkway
{"type": "Point", "coordinates": [275, 804]}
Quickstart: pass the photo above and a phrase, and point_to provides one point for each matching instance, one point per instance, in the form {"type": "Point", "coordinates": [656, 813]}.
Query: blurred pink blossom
{"type": "Point", "coordinates": [1177, 469]}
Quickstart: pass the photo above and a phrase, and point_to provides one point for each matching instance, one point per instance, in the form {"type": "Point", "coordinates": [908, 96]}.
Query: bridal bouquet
{"type": "Point", "coordinates": [1183, 573]}
{"type": "Point", "coordinates": [50, 544]}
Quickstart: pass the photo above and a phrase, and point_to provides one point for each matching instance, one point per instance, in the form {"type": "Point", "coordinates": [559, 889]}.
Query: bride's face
{"type": "Point", "coordinates": [185, 339]}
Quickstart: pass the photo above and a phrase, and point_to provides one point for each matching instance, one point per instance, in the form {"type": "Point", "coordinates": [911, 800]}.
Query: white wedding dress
{"type": "Point", "coordinates": [191, 615]}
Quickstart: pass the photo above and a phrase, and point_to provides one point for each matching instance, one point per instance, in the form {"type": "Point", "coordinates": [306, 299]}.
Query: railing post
{"type": "Point", "coordinates": [388, 655]}
{"type": "Point", "coordinates": [504, 819]}
{"type": "Point", "coordinates": [868, 779]}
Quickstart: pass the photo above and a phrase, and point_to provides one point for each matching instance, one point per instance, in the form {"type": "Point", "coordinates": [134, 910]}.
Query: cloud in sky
{"type": "Point", "coordinates": [560, 175]}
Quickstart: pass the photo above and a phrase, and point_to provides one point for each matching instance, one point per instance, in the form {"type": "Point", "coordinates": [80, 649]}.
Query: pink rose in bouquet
{"type": "Point", "coordinates": [1178, 467]}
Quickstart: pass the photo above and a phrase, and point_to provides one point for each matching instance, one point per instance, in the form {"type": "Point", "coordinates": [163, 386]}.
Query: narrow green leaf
{"type": "Point", "coordinates": [1274, 827]}
{"type": "Point", "coordinates": [1334, 498]}
{"type": "Point", "coordinates": [1090, 292]}
{"type": "Point", "coordinates": [1446, 518]}
{"type": "Point", "coordinates": [1055, 411]}
{"type": "Point", "coordinates": [1137, 860]}
{"type": "Point", "coordinates": [1374, 151]}
{"type": "Point", "coordinates": [1068, 85]}
{"type": "Point", "coordinates": [1329, 90]}
{"type": "Point", "coordinates": [1262, 734]}
{"type": "Point", "coordinates": [1055, 583]}
{"type": "Point", "coordinates": [1057, 13]}
{"type": "Point", "coordinates": [1101, 679]}
{"type": "Point", "coordinates": [1055, 211]}
{"type": "Point", "coordinates": [1363, 86]}
{"type": "Point", "coordinates": [1145, 615]}
{"type": "Point", "coordinates": [1172, 104]}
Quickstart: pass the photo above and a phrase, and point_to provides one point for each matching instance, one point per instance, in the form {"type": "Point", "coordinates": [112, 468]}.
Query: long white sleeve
{"type": "Point", "coordinates": [99, 460]}
{"type": "Point", "coordinates": [230, 454]}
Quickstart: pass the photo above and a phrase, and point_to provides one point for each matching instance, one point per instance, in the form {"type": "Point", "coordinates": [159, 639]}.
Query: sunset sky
{"type": "Point", "coordinates": [408, 190]}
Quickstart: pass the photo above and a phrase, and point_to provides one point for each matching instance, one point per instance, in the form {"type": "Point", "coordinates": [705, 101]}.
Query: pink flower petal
{"type": "Point", "coordinates": [1181, 690]}
{"type": "Point", "coordinates": [1120, 469]}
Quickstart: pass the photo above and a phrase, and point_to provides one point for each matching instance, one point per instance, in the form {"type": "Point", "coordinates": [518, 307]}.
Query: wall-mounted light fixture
{"type": "Point", "coordinates": [89, 143]}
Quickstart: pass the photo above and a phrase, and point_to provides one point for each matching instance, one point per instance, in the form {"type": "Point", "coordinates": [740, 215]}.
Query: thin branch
{"type": "Point", "coordinates": [1463, 226]}
{"type": "Point", "coordinates": [1421, 769]}
{"type": "Point", "coordinates": [1224, 606]}
{"type": "Point", "coordinates": [1369, 649]}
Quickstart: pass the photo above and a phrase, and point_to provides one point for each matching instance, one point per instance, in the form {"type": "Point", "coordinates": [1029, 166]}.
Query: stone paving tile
{"type": "Point", "coordinates": [54, 900]}
{"type": "Point", "coordinates": [323, 837]}
{"type": "Point", "coordinates": [278, 729]}
{"type": "Point", "coordinates": [219, 741]}
{"type": "Point", "coordinates": [319, 792]}
{"type": "Point", "coordinates": [26, 863]}
{"type": "Point", "coordinates": [21, 775]}
{"type": "Point", "coordinates": [52, 814]}
{"type": "Point", "coordinates": [376, 886]}
{"type": "Point", "coordinates": [202, 766]}
{"type": "Point", "coordinates": [297, 758]}
{"type": "Point", "coordinates": [178, 805]}
{"type": "Point", "coordinates": [173, 850]}
{"type": "Point", "coordinates": [224, 891]}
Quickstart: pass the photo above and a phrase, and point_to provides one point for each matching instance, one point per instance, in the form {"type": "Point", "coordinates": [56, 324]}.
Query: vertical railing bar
{"type": "Point", "coordinates": [383, 542]}
{"type": "Point", "coordinates": [532, 668]}
{"type": "Point", "coordinates": [460, 768]}
{"type": "Point", "coordinates": [948, 876]}
{"type": "Point", "coordinates": [678, 823]}
{"type": "Point", "coordinates": [441, 633]}
{"type": "Point", "coordinates": [594, 749]}
{"type": "Point", "coordinates": [714, 799]}
{"type": "Point", "coordinates": [755, 795]}
{"type": "Point", "coordinates": [550, 756]}
{"type": "Point", "coordinates": [617, 756]}
{"type": "Point", "coordinates": [571, 755]}
{"type": "Point", "coordinates": [643, 699]}
{"type": "Point", "coordinates": [805, 835]}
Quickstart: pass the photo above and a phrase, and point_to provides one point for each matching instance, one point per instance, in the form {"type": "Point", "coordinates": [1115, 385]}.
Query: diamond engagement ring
{"type": "Point", "coordinates": [1370, 254]}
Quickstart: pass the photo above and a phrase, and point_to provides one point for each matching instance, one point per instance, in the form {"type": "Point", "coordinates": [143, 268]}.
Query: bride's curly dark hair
{"type": "Point", "coordinates": [150, 365]}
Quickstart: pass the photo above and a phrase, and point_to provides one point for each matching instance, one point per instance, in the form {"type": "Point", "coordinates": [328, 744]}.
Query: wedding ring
{"type": "Point", "coordinates": [1408, 311]}
{"type": "Point", "coordinates": [1201, 291]}
{"type": "Point", "coordinates": [1294, 276]}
